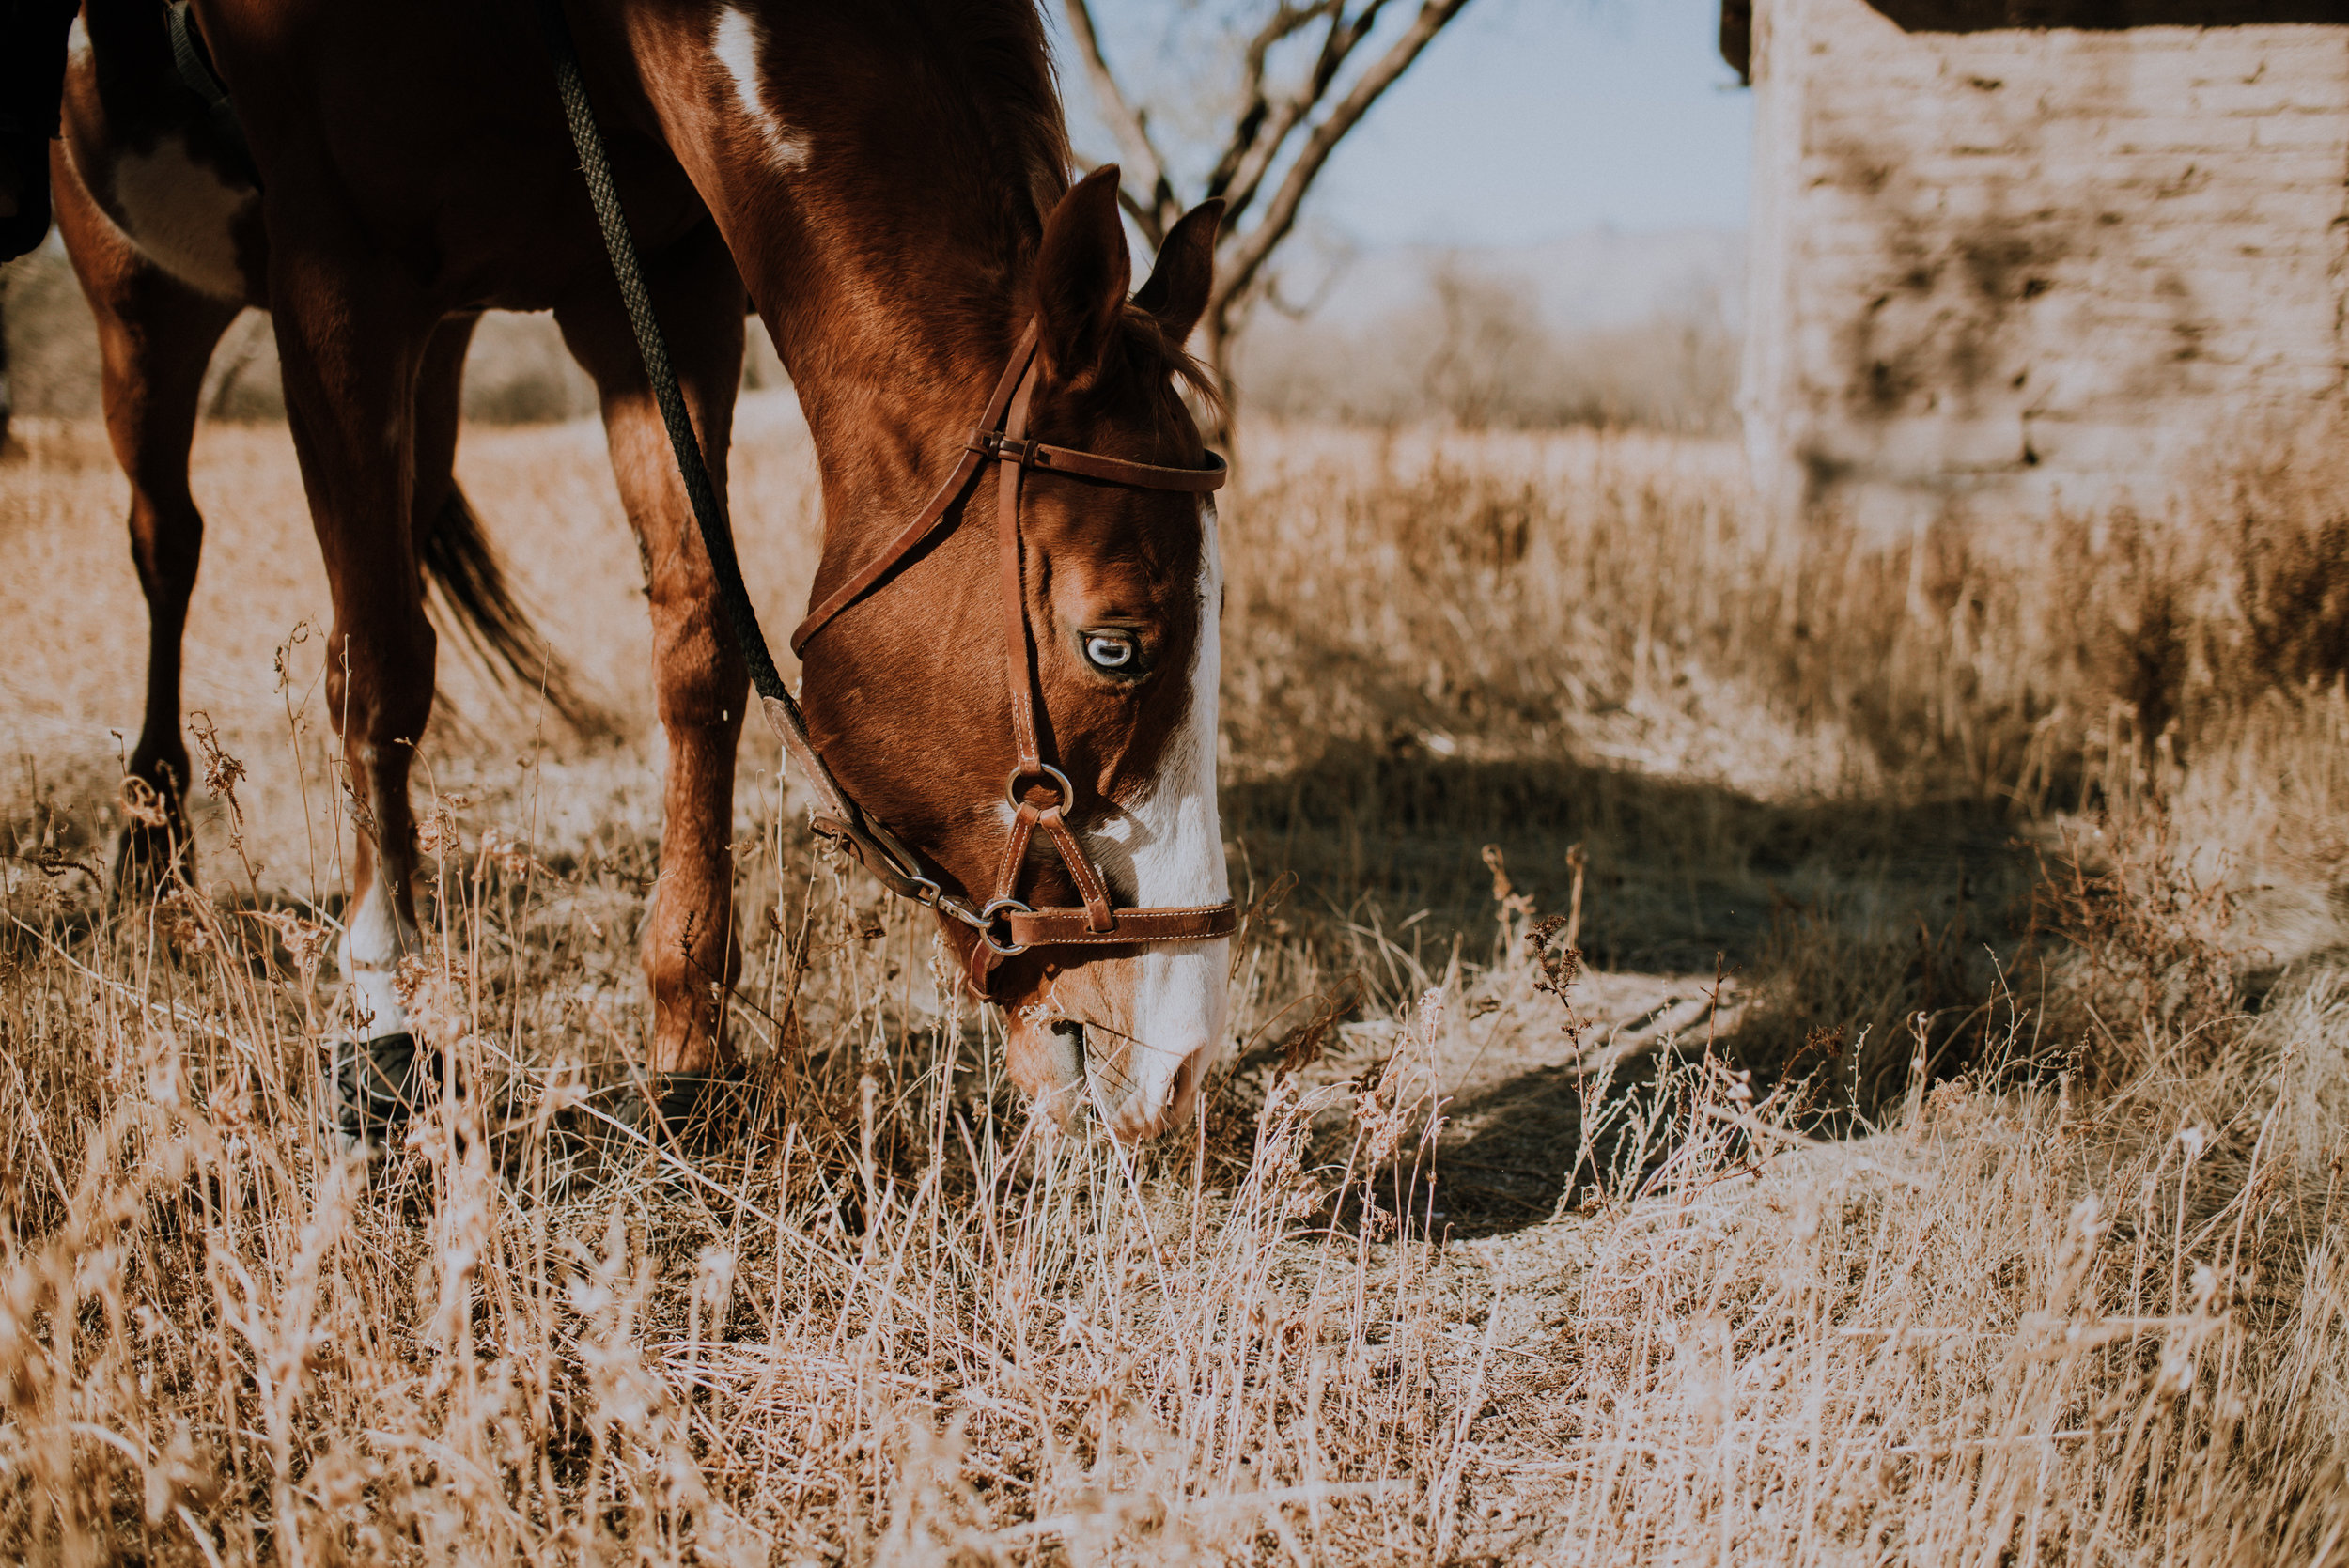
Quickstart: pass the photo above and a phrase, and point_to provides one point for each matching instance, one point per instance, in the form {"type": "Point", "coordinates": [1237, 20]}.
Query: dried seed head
{"type": "Point", "coordinates": [142, 804]}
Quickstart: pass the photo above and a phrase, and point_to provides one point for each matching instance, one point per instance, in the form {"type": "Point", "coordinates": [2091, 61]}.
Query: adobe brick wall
{"type": "Point", "coordinates": [2008, 269]}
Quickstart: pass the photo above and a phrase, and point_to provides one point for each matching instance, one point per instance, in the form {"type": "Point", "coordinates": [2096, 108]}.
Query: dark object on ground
{"type": "Point", "coordinates": [31, 74]}
{"type": "Point", "coordinates": [689, 1112]}
{"type": "Point", "coordinates": [374, 1090]}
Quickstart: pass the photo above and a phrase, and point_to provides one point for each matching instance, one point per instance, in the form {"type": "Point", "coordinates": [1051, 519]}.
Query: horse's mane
{"type": "Point", "coordinates": [1002, 45]}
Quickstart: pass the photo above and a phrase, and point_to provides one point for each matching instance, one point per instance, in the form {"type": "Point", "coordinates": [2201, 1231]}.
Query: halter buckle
{"type": "Point", "coordinates": [1011, 449]}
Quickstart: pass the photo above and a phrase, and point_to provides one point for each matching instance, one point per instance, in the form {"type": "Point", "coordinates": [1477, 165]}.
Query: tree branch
{"type": "Point", "coordinates": [1156, 213]}
{"type": "Point", "coordinates": [1256, 107]}
{"type": "Point", "coordinates": [1145, 218]}
{"type": "Point", "coordinates": [1238, 267]}
{"type": "Point", "coordinates": [1337, 45]}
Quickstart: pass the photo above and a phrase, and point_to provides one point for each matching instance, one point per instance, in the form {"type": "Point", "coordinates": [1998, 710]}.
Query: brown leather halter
{"type": "Point", "coordinates": [1040, 795]}
{"type": "Point", "coordinates": [1004, 924]}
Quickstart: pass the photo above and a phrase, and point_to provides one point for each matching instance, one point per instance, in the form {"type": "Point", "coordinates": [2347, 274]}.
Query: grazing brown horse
{"type": "Point", "coordinates": [888, 181]}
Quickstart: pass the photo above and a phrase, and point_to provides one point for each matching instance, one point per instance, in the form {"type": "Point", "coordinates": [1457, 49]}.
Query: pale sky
{"type": "Point", "coordinates": [1526, 120]}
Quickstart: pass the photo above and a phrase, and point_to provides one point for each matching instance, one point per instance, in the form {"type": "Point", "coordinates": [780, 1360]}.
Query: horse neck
{"type": "Point", "coordinates": [888, 265]}
{"type": "Point", "coordinates": [890, 379]}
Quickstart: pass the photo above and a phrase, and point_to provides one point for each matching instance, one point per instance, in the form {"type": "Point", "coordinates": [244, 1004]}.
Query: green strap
{"type": "Point", "coordinates": [194, 62]}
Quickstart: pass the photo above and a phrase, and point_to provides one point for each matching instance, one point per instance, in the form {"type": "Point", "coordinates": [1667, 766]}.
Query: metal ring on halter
{"type": "Point", "coordinates": [1059, 779]}
{"type": "Point", "coordinates": [898, 871]}
{"type": "Point", "coordinates": [993, 913]}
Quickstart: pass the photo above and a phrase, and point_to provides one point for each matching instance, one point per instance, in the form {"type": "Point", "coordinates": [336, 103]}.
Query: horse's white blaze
{"type": "Point", "coordinates": [181, 215]}
{"type": "Point", "coordinates": [736, 46]}
{"type": "Point", "coordinates": [1170, 846]}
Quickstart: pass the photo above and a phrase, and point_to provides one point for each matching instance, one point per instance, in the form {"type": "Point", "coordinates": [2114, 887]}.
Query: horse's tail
{"type": "Point", "coordinates": [472, 589]}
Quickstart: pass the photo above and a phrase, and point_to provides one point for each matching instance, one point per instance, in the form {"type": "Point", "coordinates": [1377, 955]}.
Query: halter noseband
{"type": "Point", "coordinates": [1004, 924]}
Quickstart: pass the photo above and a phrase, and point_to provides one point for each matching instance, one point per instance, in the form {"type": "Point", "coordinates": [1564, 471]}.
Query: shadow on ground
{"type": "Point", "coordinates": [1678, 871]}
{"type": "Point", "coordinates": [1833, 920]}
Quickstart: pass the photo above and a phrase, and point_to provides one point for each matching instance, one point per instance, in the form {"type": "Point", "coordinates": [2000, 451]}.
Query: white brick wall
{"type": "Point", "coordinates": [2014, 269]}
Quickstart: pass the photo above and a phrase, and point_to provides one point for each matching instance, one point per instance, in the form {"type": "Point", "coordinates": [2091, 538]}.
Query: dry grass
{"type": "Point", "coordinates": [1853, 1206]}
{"type": "Point", "coordinates": [1473, 355]}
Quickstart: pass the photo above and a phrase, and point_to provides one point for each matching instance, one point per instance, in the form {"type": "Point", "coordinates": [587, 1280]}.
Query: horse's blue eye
{"type": "Point", "coordinates": [1109, 651]}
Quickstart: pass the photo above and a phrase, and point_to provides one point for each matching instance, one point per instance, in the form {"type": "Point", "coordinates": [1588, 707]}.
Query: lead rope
{"type": "Point", "coordinates": [192, 60]}
{"type": "Point", "coordinates": [836, 818]}
{"type": "Point", "coordinates": [837, 815]}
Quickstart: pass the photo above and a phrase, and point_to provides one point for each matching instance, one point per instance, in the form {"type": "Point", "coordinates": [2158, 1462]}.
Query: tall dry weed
{"type": "Point", "coordinates": [1522, 592]}
{"type": "Point", "coordinates": [2149, 966]}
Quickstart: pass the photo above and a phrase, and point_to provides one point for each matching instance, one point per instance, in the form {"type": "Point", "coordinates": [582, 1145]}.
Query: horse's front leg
{"type": "Point", "coordinates": [351, 337]}
{"type": "Point", "coordinates": [690, 951]}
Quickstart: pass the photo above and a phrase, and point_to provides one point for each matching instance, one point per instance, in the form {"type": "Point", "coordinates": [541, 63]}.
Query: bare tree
{"type": "Point", "coordinates": [1281, 136]}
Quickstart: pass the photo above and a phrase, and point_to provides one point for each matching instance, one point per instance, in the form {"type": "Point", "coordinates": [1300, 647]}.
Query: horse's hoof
{"type": "Point", "coordinates": [689, 1112]}
{"type": "Point", "coordinates": [373, 1090]}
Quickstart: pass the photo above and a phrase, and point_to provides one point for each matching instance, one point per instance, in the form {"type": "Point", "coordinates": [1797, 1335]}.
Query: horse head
{"type": "Point", "coordinates": [1106, 597]}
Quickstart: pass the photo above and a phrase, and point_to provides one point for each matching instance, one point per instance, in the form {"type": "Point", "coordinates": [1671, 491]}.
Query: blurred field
{"type": "Point", "coordinates": [1933, 1158]}
{"type": "Point", "coordinates": [1450, 337]}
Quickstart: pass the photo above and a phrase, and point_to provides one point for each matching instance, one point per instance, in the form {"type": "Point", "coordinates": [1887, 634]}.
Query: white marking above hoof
{"type": "Point", "coordinates": [375, 939]}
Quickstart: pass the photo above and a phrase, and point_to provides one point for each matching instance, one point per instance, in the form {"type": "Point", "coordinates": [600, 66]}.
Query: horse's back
{"type": "Point", "coordinates": [419, 136]}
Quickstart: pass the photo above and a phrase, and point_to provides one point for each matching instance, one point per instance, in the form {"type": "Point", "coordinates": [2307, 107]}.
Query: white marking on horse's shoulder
{"type": "Point", "coordinates": [737, 47]}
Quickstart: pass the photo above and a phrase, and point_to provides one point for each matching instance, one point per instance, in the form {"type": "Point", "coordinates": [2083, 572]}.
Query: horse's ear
{"type": "Point", "coordinates": [1177, 292]}
{"type": "Point", "coordinates": [1080, 278]}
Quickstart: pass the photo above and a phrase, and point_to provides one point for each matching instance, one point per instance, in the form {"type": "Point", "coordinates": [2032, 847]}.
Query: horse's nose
{"type": "Point", "coordinates": [1046, 1058]}
{"type": "Point", "coordinates": [1162, 1102]}
{"type": "Point", "coordinates": [1129, 1037]}
{"type": "Point", "coordinates": [1177, 1010]}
